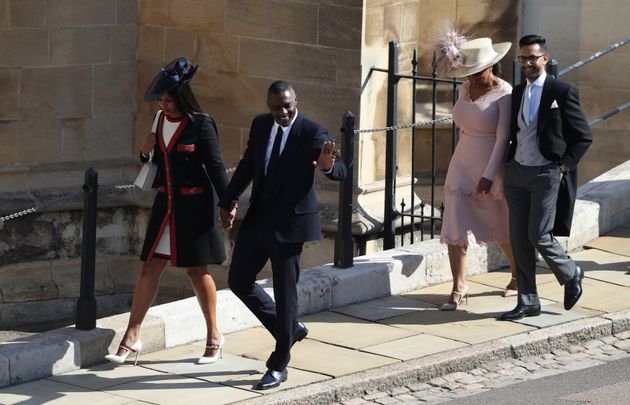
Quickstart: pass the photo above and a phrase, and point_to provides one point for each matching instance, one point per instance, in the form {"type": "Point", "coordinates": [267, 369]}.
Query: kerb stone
{"type": "Point", "coordinates": [40, 356]}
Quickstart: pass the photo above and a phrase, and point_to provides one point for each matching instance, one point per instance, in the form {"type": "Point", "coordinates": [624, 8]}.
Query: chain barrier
{"type": "Point", "coordinates": [55, 201]}
{"type": "Point", "coordinates": [230, 170]}
{"type": "Point", "coordinates": [38, 207]}
{"type": "Point", "coordinates": [403, 126]}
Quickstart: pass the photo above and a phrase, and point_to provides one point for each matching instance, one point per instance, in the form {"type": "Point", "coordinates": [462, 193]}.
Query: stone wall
{"type": "Point", "coordinates": [241, 46]}
{"type": "Point", "coordinates": [414, 25]}
{"type": "Point", "coordinates": [68, 79]}
{"type": "Point", "coordinates": [74, 74]}
{"type": "Point", "coordinates": [575, 30]}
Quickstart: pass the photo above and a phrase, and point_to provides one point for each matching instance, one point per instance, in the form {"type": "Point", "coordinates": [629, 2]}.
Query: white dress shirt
{"type": "Point", "coordinates": [272, 138]}
{"type": "Point", "coordinates": [532, 94]}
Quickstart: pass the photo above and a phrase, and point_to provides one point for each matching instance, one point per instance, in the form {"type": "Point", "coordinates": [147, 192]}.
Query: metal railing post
{"type": "Point", "coordinates": [552, 68]}
{"type": "Point", "coordinates": [516, 73]}
{"type": "Point", "coordinates": [389, 228]}
{"type": "Point", "coordinates": [343, 242]}
{"type": "Point", "coordinates": [86, 304]}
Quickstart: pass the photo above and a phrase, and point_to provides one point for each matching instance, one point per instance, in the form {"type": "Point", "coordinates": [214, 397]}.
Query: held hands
{"type": "Point", "coordinates": [148, 144]}
{"type": "Point", "coordinates": [327, 156]}
{"type": "Point", "coordinates": [484, 185]}
{"type": "Point", "coordinates": [227, 218]}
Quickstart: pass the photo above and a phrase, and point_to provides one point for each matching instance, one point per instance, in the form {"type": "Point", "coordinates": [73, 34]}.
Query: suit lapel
{"type": "Point", "coordinates": [517, 98]}
{"type": "Point", "coordinates": [546, 98]}
{"type": "Point", "coordinates": [266, 129]}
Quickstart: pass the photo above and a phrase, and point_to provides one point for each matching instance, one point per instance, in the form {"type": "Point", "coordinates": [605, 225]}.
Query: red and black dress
{"type": "Point", "coordinates": [183, 223]}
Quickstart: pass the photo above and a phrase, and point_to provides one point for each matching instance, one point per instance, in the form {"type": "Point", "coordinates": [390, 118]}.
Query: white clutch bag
{"type": "Point", "coordinates": [147, 174]}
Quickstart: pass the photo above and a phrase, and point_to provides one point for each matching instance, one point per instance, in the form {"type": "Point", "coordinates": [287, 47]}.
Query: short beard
{"type": "Point", "coordinates": [532, 75]}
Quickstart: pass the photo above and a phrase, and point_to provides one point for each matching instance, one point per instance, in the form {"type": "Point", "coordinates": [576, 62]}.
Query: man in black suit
{"type": "Point", "coordinates": [283, 151]}
{"type": "Point", "coordinates": [549, 135]}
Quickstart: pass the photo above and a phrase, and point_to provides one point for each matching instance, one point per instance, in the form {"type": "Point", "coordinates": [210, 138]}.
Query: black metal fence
{"type": "Point", "coordinates": [418, 216]}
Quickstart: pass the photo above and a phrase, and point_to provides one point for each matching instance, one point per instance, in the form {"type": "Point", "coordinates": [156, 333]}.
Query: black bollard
{"type": "Point", "coordinates": [86, 305]}
{"type": "Point", "coordinates": [343, 241]}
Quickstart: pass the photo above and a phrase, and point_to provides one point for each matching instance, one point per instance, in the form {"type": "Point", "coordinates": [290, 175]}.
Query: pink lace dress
{"type": "Point", "coordinates": [483, 136]}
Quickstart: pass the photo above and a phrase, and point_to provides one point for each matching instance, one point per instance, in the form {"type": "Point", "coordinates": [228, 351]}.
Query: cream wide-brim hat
{"type": "Point", "coordinates": [479, 54]}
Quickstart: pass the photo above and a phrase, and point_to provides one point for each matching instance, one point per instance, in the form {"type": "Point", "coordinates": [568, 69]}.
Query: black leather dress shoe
{"type": "Point", "coordinates": [271, 379]}
{"type": "Point", "coordinates": [521, 311]}
{"type": "Point", "coordinates": [573, 289]}
{"type": "Point", "coordinates": [299, 333]}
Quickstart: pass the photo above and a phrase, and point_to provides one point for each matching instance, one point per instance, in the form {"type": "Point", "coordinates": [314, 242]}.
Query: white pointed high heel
{"type": "Point", "coordinates": [213, 359]}
{"type": "Point", "coordinates": [135, 348]}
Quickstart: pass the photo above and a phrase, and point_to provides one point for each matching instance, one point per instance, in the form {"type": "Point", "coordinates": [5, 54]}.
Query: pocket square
{"type": "Point", "coordinates": [554, 104]}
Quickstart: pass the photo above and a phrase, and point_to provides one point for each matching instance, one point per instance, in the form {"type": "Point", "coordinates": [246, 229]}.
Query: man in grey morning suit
{"type": "Point", "coordinates": [549, 134]}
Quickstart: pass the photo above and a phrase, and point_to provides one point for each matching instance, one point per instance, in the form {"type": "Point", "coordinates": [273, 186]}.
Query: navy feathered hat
{"type": "Point", "coordinates": [176, 73]}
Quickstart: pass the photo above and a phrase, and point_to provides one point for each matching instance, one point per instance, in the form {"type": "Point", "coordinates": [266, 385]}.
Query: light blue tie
{"type": "Point", "coordinates": [531, 110]}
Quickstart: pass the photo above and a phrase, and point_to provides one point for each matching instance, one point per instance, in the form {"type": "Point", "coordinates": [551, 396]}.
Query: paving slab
{"type": "Point", "coordinates": [555, 314]}
{"type": "Point", "coordinates": [328, 359]}
{"type": "Point", "coordinates": [604, 266]}
{"type": "Point", "coordinates": [383, 308]}
{"type": "Point", "coordinates": [296, 378]}
{"type": "Point", "coordinates": [181, 360]}
{"type": "Point", "coordinates": [415, 346]}
{"type": "Point", "coordinates": [597, 295]}
{"type": "Point", "coordinates": [487, 301]}
{"type": "Point", "coordinates": [248, 340]}
{"type": "Point", "coordinates": [170, 389]}
{"type": "Point", "coordinates": [47, 391]}
{"type": "Point", "coordinates": [500, 279]}
{"type": "Point", "coordinates": [615, 241]}
{"type": "Point", "coordinates": [105, 376]}
{"type": "Point", "coordinates": [348, 331]}
{"type": "Point", "coordinates": [458, 325]}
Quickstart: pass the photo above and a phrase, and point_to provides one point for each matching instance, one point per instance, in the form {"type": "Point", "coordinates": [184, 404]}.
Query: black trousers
{"type": "Point", "coordinates": [255, 244]}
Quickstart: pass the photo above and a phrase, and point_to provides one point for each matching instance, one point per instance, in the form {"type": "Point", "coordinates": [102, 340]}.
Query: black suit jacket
{"type": "Point", "coordinates": [290, 188]}
{"type": "Point", "coordinates": [564, 135]}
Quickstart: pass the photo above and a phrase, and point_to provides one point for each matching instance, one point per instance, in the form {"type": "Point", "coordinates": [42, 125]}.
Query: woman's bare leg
{"type": "Point", "coordinates": [206, 292]}
{"type": "Point", "coordinates": [143, 297]}
{"type": "Point", "coordinates": [457, 259]}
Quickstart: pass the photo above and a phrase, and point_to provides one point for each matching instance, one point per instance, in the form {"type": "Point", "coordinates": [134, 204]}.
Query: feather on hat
{"type": "Point", "coordinates": [457, 56]}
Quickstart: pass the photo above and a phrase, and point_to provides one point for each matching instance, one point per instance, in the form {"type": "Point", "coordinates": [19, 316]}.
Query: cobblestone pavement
{"type": "Point", "coordinates": [502, 373]}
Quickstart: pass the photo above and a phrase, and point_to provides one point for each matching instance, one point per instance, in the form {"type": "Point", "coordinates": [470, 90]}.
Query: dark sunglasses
{"type": "Point", "coordinates": [530, 58]}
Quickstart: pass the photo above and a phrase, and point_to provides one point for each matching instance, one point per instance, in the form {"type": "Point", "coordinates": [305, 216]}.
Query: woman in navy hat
{"type": "Point", "coordinates": [182, 227]}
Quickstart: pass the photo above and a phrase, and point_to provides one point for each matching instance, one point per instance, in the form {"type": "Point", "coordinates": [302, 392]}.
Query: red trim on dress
{"type": "Point", "coordinates": [179, 130]}
{"type": "Point", "coordinates": [186, 148]}
{"type": "Point", "coordinates": [191, 191]}
{"type": "Point", "coordinates": [169, 213]}
{"type": "Point", "coordinates": [185, 190]}
{"type": "Point", "coordinates": [160, 139]}
{"type": "Point", "coordinates": [171, 119]}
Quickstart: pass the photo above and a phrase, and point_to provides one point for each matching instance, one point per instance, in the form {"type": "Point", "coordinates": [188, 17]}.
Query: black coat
{"type": "Point", "coordinates": [190, 169]}
{"type": "Point", "coordinates": [290, 191]}
{"type": "Point", "coordinates": [564, 135]}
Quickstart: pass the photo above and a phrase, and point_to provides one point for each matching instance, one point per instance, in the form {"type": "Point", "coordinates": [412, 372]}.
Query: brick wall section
{"type": "Point", "coordinates": [241, 46]}
{"type": "Point", "coordinates": [68, 79]}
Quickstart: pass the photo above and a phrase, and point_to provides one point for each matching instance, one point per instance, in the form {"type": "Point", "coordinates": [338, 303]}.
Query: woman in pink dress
{"type": "Point", "coordinates": [475, 207]}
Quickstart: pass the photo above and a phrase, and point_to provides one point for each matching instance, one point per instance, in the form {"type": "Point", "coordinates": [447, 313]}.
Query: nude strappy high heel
{"type": "Point", "coordinates": [508, 292]}
{"type": "Point", "coordinates": [459, 297]}
{"type": "Point", "coordinates": [219, 353]}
